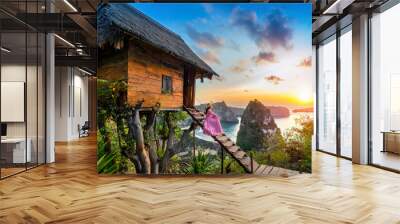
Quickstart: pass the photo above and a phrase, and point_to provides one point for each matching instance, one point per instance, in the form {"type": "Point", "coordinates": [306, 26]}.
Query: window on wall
{"type": "Point", "coordinates": [385, 89]}
{"type": "Point", "coordinates": [327, 96]}
{"type": "Point", "coordinates": [346, 93]}
{"type": "Point", "coordinates": [166, 86]}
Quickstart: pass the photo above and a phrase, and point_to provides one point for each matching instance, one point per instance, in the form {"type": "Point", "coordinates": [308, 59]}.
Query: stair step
{"type": "Point", "coordinates": [246, 161]}
{"type": "Point", "coordinates": [255, 167]}
{"type": "Point", "coordinates": [227, 144]}
{"type": "Point", "coordinates": [267, 170]}
{"type": "Point", "coordinates": [198, 117]}
{"type": "Point", "coordinates": [260, 169]}
{"type": "Point", "coordinates": [222, 138]}
{"type": "Point", "coordinates": [239, 154]}
{"type": "Point", "coordinates": [275, 171]}
{"type": "Point", "coordinates": [233, 149]}
{"type": "Point", "coordinates": [220, 135]}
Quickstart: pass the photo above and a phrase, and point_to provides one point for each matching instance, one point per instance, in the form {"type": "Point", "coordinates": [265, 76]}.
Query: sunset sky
{"type": "Point", "coordinates": [261, 51]}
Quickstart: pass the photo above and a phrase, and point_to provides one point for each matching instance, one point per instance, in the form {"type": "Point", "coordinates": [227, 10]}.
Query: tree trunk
{"type": "Point", "coordinates": [136, 126]}
{"type": "Point", "coordinates": [134, 159]}
{"type": "Point", "coordinates": [172, 147]}
{"type": "Point", "coordinates": [169, 146]}
{"type": "Point", "coordinates": [150, 140]}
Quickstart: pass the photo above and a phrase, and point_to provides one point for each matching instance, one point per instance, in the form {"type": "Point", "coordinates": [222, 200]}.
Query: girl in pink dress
{"type": "Point", "coordinates": [212, 125]}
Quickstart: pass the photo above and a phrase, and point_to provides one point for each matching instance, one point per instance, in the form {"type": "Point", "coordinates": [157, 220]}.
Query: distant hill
{"type": "Point", "coordinates": [278, 111]}
{"type": "Point", "coordinates": [237, 111]}
{"type": "Point", "coordinates": [304, 110]}
{"type": "Point", "coordinates": [220, 107]}
{"type": "Point", "coordinates": [224, 112]}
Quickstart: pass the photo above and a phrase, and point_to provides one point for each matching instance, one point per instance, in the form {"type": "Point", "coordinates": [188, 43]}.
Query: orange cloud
{"type": "Point", "coordinates": [240, 67]}
{"type": "Point", "coordinates": [274, 79]}
{"type": "Point", "coordinates": [305, 63]}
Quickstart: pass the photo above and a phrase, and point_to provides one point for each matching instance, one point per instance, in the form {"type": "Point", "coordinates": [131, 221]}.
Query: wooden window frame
{"type": "Point", "coordinates": [164, 85]}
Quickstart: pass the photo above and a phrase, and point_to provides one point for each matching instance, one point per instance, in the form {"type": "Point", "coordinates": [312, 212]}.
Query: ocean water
{"type": "Point", "coordinates": [231, 129]}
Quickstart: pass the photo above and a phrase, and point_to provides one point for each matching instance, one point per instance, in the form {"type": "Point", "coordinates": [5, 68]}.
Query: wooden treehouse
{"type": "Point", "coordinates": [159, 67]}
{"type": "Point", "coordinates": [157, 63]}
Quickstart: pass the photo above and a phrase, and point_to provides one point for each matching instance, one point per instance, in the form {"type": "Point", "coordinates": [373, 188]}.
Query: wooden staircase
{"type": "Point", "coordinates": [249, 165]}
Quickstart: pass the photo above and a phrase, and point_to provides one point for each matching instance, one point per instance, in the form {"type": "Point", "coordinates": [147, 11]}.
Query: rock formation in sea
{"type": "Point", "coordinates": [225, 110]}
{"type": "Point", "coordinates": [222, 110]}
{"type": "Point", "coordinates": [279, 111]}
{"type": "Point", "coordinates": [304, 110]}
{"type": "Point", "coordinates": [258, 130]}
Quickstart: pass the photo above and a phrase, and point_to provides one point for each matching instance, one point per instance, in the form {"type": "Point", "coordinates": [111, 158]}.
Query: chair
{"type": "Point", "coordinates": [84, 130]}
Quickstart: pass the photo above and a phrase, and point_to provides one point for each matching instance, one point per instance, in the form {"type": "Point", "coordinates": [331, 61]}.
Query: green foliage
{"type": "Point", "coordinates": [293, 151]}
{"type": "Point", "coordinates": [298, 144]}
{"type": "Point", "coordinates": [231, 166]}
{"type": "Point", "coordinates": [112, 114]}
{"type": "Point", "coordinates": [113, 135]}
{"type": "Point", "coordinates": [107, 164]}
{"type": "Point", "coordinates": [202, 163]}
{"type": "Point", "coordinates": [276, 141]}
{"type": "Point", "coordinates": [175, 165]}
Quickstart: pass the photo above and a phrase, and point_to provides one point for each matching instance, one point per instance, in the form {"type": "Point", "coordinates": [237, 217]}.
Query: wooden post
{"type": "Point", "coordinates": [194, 142]}
{"type": "Point", "coordinates": [251, 162]}
{"type": "Point", "coordinates": [222, 160]}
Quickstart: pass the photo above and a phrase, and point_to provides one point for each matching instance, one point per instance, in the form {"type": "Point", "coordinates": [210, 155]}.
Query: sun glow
{"type": "Point", "coordinates": [305, 97]}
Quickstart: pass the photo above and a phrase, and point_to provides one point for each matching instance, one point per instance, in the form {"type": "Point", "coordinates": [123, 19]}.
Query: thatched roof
{"type": "Point", "coordinates": [115, 19]}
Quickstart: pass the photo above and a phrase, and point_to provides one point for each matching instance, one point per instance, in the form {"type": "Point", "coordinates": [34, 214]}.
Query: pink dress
{"type": "Point", "coordinates": [212, 125]}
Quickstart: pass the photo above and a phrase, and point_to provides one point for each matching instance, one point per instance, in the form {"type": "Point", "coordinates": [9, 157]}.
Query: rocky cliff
{"type": "Point", "coordinates": [222, 110]}
{"type": "Point", "coordinates": [276, 111]}
{"type": "Point", "coordinates": [258, 129]}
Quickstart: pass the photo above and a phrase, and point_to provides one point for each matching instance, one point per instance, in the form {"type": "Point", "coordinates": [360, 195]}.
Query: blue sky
{"type": "Point", "coordinates": [262, 51]}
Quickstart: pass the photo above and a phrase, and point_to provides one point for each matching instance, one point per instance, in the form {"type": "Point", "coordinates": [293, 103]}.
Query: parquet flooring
{"type": "Point", "coordinates": [70, 191]}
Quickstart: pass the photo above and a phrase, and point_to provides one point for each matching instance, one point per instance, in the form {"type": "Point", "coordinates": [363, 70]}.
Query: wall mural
{"type": "Point", "coordinates": [204, 89]}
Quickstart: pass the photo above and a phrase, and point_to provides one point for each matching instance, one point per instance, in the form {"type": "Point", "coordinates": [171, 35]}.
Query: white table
{"type": "Point", "coordinates": [18, 149]}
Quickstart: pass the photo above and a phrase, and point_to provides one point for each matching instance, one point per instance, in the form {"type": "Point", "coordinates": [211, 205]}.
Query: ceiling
{"type": "Point", "coordinates": [74, 21]}
{"type": "Point", "coordinates": [331, 15]}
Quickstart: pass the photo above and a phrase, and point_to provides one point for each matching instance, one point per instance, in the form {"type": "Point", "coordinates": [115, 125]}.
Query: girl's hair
{"type": "Point", "coordinates": [208, 108]}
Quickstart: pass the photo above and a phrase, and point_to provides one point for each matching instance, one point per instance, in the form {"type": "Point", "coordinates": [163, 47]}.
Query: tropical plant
{"type": "Point", "coordinates": [294, 152]}
{"type": "Point", "coordinates": [202, 163]}
{"type": "Point", "coordinates": [231, 166]}
{"type": "Point", "coordinates": [141, 141]}
{"type": "Point", "coordinates": [107, 164]}
{"type": "Point", "coordinates": [298, 144]}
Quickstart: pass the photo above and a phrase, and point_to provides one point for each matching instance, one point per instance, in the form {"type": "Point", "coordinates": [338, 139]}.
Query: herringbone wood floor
{"type": "Point", "coordinates": [70, 191]}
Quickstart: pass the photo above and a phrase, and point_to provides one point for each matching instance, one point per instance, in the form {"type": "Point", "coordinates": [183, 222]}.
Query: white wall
{"type": "Point", "coordinates": [33, 127]}
{"type": "Point", "coordinates": [16, 73]}
{"type": "Point", "coordinates": [71, 102]}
